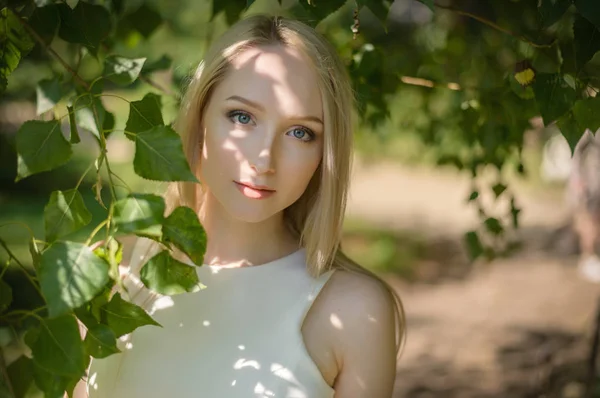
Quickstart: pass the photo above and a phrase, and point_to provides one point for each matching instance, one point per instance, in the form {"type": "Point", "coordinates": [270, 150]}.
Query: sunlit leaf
{"type": "Point", "coordinates": [41, 146]}
{"type": "Point", "coordinates": [553, 95]}
{"type": "Point", "coordinates": [144, 114]}
{"type": "Point", "coordinates": [65, 213]}
{"type": "Point", "coordinates": [58, 348]}
{"type": "Point", "coordinates": [124, 317]}
{"type": "Point", "coordinates": [16, 43]}
{"type": "Point", "coordinates": [183, 229]}
{"type": "Point", "coordinates": [159, 156]}
{"type": "Point", "coordinates": [90, 114]}
{"type": "Point", "coordinates": [86, 24]}
{"type": "Point", "coordinates": [100, 341]}
{"type": "Point", "coordinates": [141, 214]}
{"type": "Point", "coordinates": [586, 41]}
{"type": "Point", "coordinates": [70, 274]}
{"type": "Point", "coordinates": [165, 275]}
{"type": "Point", "coordinates": [121, 70]}
{"type": "Point", "coordinates": [48, 94]}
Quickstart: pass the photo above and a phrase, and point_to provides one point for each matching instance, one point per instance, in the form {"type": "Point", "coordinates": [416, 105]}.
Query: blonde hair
{"type": "Point", "coordinates": [316, 218]}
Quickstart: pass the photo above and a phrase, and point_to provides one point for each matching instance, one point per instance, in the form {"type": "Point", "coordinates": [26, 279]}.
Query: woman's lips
{"type": "Point", "coordinates": [254, 191]}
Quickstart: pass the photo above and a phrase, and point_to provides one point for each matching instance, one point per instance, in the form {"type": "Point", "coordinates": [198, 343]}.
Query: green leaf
{"type": "Point", "coordinates": [100, 341]}
{"type": "Point", "coordinates": [587, 113]}
{"type": "Point", "coordinates": [429, 3]}
{"type": "Point", "coordinates": [124, 317]}
{"type": "Point", "coordinates": [20, 376]}
{"type": "Point", "coordinates": [35, 253]}
{"type": "Point", "coordinates": [52, 385]}
{"type": "Point", "coordinates": [167, 276]}
{"type": "Point", "coordinates": [499, 189]}
{"type": "Point", "coordinates": [570, 129]}
{"type": "Point", "coordinates": [90, 114]}
{"type": "Point", "coordinates": [70, 275]}
{"type": "Point", "coordinates": [16, 43]}
{"type": "Point", "coordinates": [141, 214]}
{"type": "Point", "coordinates": [48, 94]}
{"type": "Point", "coordinates": [121, 70]}
{"type": "Point", "coordinates": [232, 8]}
{"type": "Point", "coordinates": [6, 296]}
{"type": "Point", "coordinates": [474, 246]}
{"type": "Point", "coordinates": [183, 229]}
{"type": "Point", "coordinates": [57, 347]}
{"type": "Point", "coordinates": [553, 95]}
{"type": "Point", "coordinates": [45, 21]}
{"type": "Point", "coordinates": [590, 9]}
{"type": "Point", "coordinates": [159, 156]}
{"type": "Point", "coordinates": [586, 40]}
{"type": "Point", "coordinates": [162, 63]}
{"type": "Point", "coordinates": [550, 11]}
{"type": "Point", "coordinates": [474, 195]}
{"type": "Point", "coordinates": [380, 8]}
{"type": "Point", "coordinates": [73, 124]}
{"type": "Point", "coordinates": [112, 254]}
{"type": "Point", "coordinates": [41, 146]}
{"type": "Point", "coordinates": [493, 225]}
{"type": "Point", "coordinates": [144, 114]}
{"type": "Point", "coordinates": [86, 24]}
{"type": "Point", "coordinates": [145, 20]}
{"type": "Point", "coordinates": [314, 12]}
{"type": "Point", "coordinates": [65, 213]}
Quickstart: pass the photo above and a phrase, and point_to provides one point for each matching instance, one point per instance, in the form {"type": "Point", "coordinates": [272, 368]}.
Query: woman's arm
{"type": "Point", "coordinates": [366, 337]}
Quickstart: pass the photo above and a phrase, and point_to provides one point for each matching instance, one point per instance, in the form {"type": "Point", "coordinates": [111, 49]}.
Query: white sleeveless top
{"type": "Point", "coordinates": [239, 337]}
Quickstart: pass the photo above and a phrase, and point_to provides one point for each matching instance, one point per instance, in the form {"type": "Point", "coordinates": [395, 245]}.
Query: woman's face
{"type": "Point", "coordinates": [263, 133]}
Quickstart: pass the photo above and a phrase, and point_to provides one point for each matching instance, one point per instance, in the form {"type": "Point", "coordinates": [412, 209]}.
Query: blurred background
{"type": "Point", "coordinates": [516, 321]}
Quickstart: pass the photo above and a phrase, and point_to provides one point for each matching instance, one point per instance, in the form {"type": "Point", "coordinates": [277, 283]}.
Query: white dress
{"type": "Point", "coordinates": [237, 338]}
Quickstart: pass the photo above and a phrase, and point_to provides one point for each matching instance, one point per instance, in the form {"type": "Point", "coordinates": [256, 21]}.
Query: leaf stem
{"type": "Point", "coordinates": [494, 25]}
{"type": "Point", "coordinates": [22, 267]}
{"type": "Point", "coordinates": [95, 231]}
{"type": "Point", "coordinates": [37, 37]}
{"type": "Point", "coordinates": [84, 174]}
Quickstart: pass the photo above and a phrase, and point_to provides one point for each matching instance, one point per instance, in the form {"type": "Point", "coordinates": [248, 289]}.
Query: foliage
{"type": "Point", "coordinates": [482, 71]}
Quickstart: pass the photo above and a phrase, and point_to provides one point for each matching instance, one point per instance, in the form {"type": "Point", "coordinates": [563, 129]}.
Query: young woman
{"type": "Point", "coordinates": [267, 127]}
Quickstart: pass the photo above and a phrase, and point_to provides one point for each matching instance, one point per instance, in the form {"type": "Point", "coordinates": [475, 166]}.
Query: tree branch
{"type": "Point", "coordinates": [37, 38]}
{"type": "Point", "coordinates": [494, 25]}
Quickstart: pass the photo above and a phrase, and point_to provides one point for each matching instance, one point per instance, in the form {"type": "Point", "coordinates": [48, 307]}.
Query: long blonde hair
{"type": "Point", "coordinates": [316, 218]}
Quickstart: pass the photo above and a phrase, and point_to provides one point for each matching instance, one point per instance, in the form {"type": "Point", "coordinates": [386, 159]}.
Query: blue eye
{"type": "Point", "coordinates": [302, 134]}
{"type": "Point", "coordinates": [240, 117]}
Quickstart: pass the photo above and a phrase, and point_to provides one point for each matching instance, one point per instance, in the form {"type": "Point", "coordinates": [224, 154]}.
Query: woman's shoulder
{"type": "Point", "coordinates": [355, 318]}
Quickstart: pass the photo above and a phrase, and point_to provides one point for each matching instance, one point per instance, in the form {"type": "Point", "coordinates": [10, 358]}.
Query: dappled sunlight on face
{"type": "Point", "coordinates": [263, 127]}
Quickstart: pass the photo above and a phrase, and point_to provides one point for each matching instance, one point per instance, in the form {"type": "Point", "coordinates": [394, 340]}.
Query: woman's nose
{"type": "Point", "coordinates": [263, 163]}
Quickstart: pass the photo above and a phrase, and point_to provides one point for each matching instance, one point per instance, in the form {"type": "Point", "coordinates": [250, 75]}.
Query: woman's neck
{"type": "Point", "coordinates": [232, 242]}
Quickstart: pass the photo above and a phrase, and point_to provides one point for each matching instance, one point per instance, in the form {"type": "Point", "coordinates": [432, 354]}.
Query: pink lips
{"type": "Point", "coordinates": [254, 191]}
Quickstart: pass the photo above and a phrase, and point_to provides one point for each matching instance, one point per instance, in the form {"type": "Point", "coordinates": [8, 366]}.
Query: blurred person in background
{"type": "Point", "coordinates": [583, 196]}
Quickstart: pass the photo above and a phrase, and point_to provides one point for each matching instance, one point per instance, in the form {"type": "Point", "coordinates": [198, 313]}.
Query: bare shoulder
{"type": "Point", "coordinates": [356, 316]}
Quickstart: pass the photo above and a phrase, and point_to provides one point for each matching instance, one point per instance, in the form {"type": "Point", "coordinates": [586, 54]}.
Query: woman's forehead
{"type": "Point", "coordinates": [274, 74]}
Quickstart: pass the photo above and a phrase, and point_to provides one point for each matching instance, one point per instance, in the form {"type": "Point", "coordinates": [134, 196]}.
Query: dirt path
{"type": "Point", "coordinates": [518, 327]}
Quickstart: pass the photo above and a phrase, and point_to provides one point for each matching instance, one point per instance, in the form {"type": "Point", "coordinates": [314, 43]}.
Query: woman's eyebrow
{"type": "Point", "coordinates": [262, 108]}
